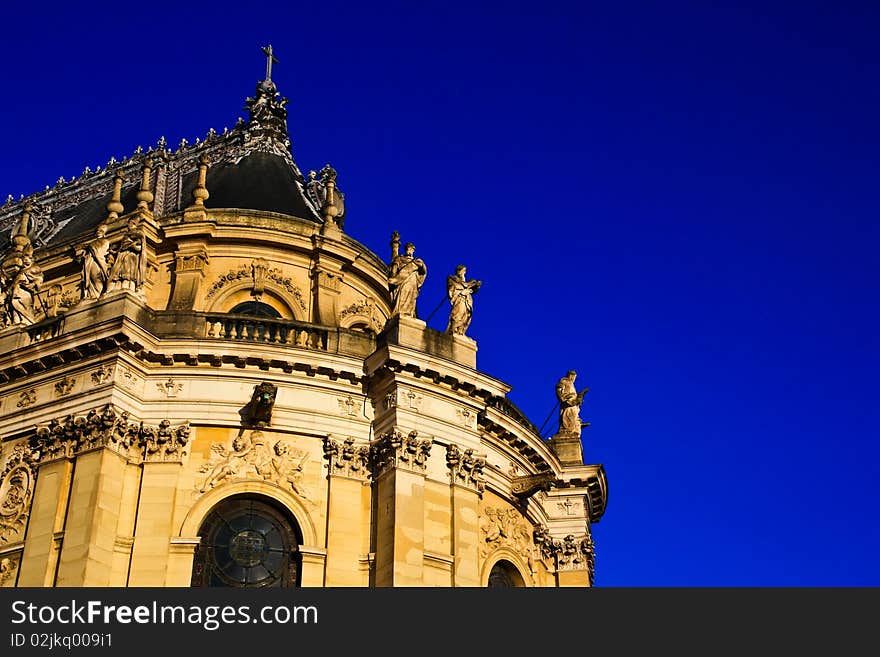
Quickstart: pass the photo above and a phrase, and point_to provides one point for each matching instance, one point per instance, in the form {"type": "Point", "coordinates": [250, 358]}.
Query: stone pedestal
{"type": "Point", "coordinates": [415, 334]}
{"type": "Point", "coordinates": [568, 448]}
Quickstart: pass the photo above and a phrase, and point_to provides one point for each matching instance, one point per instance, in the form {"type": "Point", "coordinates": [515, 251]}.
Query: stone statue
{"type": "Point", "coordinates": [460, 293]}
{"type": "Point", "coordinates": [570, 401]}
{"type": "Point", "coordinates": [22, 291]}
{"type": "Point", "coordinates": [128, 271]}
{"type": "Point", "coordinates": [405, 281]}
{"type": "Point", "coordinates": [95, 268]}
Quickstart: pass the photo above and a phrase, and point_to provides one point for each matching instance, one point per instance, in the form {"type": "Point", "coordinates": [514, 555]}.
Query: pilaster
{"type": "Point", "coordinates": [189, 272]}
{"type": "Point", "coordinates": [349, 501]}
{"type": "Point", "coordinates": [92, 519]}
{"type": "Point", "coordinates": [45, 530]}
{"type": "Point", "coordinates": [466, 485]}
{"type": "Point", "coordinates": [400, 463]}
{"type": "Point", "coordinates": [326, 286]}
{"type": "Point", "coordinates": [153, 532]}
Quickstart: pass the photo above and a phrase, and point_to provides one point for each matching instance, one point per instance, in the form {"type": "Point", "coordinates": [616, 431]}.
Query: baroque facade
{"type": "Point", "coordinates": [205, 381]}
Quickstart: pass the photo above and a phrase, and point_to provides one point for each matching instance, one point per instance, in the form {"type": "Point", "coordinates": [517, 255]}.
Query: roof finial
{"type": "Point", "coordinates": [20, 240]}
{"type": "Point", "coordinates": [115, 207]}
{"type": "Point", "coordinates": [270, 59]}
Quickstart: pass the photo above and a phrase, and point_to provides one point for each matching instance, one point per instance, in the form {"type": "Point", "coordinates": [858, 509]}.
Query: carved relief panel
{"type": "Point", "coordinates": [17, 479]}
{"type": "Point", "coordinates": [252, 455]}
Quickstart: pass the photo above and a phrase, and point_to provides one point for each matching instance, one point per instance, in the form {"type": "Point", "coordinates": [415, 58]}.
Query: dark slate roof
{"type": "Point", "coordinates": [260, 181]}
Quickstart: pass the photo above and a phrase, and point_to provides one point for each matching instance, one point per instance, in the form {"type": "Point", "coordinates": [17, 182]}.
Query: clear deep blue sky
{"type": "Point", "coordinates": [678, 201]}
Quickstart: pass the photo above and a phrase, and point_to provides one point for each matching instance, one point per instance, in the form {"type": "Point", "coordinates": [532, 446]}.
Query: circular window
{"type": "Point", "coordinates": [247, 543]}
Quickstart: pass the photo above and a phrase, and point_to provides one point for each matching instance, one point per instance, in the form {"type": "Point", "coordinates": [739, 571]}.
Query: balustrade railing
{"type": "Point", "coordinates": [265, 330]}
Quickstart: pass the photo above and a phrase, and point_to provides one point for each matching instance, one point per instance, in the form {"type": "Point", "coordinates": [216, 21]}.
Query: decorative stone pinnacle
{"type": "Point", "coordinates": [144, 195]}
{"type": "Point", "coordinates": [200, 193]}
{"type": "Point", "coordinates": [115, 207]}
{"type": "Point", "coordinates": [21, 241]}
{"type": "Point", "coordinates": [328, 177]}
{"type": "Point", "coordinates": [25, 216]}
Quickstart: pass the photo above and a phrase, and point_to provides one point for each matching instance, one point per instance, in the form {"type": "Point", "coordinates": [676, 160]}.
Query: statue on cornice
{"type": "Point", "coordinates": [95, 266]}
{"type": "Point", "coordinates": [129, 260]}
{"type": "Point", "coordinates": [407, 274]}
{"type": "Point", "coordinates": [460, 293]}
{"type": "Point", "coordinates": [22, 292]}
{"type": "Point", "coordinates": [570, 401]}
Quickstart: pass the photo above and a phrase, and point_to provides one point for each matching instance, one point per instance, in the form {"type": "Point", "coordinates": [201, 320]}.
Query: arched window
{"type": "Point", "coordinates": [255, 309]}
{"type": "Point", "coordinates": [247, 542]}
{"type": "Point", "coordinates": [504, 574]}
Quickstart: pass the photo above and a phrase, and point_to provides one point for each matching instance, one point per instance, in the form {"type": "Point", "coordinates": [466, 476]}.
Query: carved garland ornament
{"type": "Point", "coordinates": [409, 452]}
{"type": "Point", "coordinates": [569, 553]}
{"type": "Point", "coordinates": [109, 427]}
{"type": "Point", "coordinates": [465, 467]}
{"type": "Point", "coordinates": [7, 568]}
{"type": "Point", "coordinates": [345, 459]}
{"type": "Point", "coordinates": [258, 273]}
{"type": "Point", "coordinates": [16, 489]}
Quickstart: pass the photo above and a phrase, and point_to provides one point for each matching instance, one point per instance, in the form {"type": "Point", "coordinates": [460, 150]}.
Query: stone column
{"type": "Point", "coordinates": [400, 464]}
{"type": "Point", "coordinates": [125, 529]}
{"type": "Point", "coordinates": [349, 502]}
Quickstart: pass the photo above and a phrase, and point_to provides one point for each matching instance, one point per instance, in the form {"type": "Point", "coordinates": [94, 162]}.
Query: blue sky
{"type": "Point", "coordinates": [677, 200]}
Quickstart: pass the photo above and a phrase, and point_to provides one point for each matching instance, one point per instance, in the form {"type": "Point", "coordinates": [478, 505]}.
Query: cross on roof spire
{"type": "Point", "coordinates": [270, 59]}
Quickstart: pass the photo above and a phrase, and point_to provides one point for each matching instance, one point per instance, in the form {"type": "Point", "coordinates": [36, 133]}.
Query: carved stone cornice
{"type": "Point", "coordinates": [16, 489]}
{"type": "Point", "coordinates": [466, 468]}
{"type": "Point", "coordinates": [526, 486]}
{"type": "Point", "coordinates": [394, 450]}
{"type": "Point", "coordinates": [109, 428]}
{"type": "Point", "coordinates": [345, 459]}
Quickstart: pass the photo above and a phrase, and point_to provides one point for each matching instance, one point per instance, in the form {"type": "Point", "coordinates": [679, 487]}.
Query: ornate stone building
{"type": "Point", "coordinates": [204, 381]}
